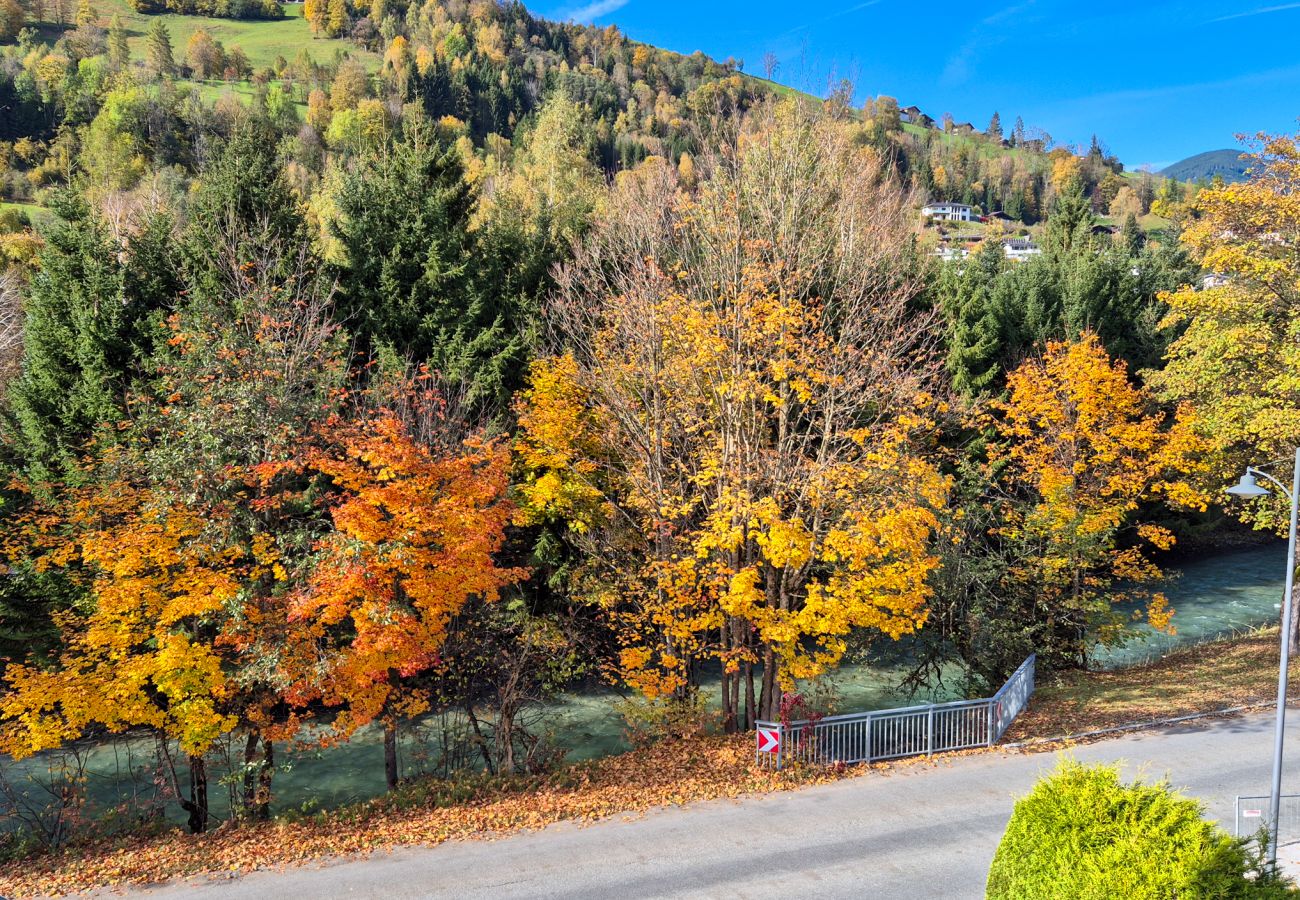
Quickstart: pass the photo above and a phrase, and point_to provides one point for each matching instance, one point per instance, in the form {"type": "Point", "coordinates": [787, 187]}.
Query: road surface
{"type": "Point", "coordinates": [923, 831]}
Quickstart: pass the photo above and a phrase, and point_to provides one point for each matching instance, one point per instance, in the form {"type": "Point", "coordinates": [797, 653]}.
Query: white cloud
{"type": "Point", "coordinates": [1263, 10]}
{"type": "Point", "coordinates": [591, 11]}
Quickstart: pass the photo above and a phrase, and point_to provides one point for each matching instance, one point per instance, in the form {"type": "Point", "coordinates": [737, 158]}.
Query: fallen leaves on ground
{"type": "Point", "coordinates": [671, 773]}
{"type": "Point", "coordinates": [1203, 678]}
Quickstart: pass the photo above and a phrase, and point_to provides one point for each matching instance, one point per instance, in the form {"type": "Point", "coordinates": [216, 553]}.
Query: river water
{"type": "Point", "coordinates": [1212, 597]}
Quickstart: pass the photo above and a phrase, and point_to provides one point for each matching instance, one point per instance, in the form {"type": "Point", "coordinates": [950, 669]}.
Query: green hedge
{"type": "Point", "coordinates": [1085, 835]}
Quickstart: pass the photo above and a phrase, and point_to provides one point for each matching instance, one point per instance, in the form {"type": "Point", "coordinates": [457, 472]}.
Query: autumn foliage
{"type": "Point", "coordinates": [435, 456]}
{"type": "Point", "coordinates": [414, 537]}
{"type": "Point", "coordinates": [268, 544]}
{"type": "Point", "coordinates": [1086, 453]}
{"type": "Point", "coordinates": [732, 437]}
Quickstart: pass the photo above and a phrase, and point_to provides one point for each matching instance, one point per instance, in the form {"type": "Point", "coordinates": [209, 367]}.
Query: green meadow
{"type": "Point", "coordinates": [261, 40]}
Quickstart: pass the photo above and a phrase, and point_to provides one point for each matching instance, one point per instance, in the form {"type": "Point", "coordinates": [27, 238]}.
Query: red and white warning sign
{"type": "Point", "coordinates": [769, 740]}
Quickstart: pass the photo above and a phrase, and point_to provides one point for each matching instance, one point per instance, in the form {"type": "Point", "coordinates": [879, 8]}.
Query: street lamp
{"type": "Point", "coordinates": [1250, 487]}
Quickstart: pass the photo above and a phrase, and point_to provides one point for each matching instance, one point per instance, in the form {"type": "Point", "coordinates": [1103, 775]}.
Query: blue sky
{"type": "Point", "coordinates": [1155, 81]}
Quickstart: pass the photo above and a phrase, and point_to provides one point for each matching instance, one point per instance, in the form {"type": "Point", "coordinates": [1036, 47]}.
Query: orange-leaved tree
{"type": "Point", "coordinates": [416, 530]}
{"type": "Point", "coordinates": [1083, 451]}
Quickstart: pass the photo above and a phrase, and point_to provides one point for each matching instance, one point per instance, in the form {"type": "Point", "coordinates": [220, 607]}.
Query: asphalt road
{"type": "Point", "coordinates": [926, 831]}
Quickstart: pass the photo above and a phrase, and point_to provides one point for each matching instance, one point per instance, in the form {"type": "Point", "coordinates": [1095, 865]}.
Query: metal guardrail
{"type": "Point", "coordinates": [895, 733]}
{"type": "Point", "coordinates": [1252, 813]}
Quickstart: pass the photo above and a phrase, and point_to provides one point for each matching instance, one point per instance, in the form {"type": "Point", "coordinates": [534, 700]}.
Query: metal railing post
{"type": "Point", "coordinates": [929, 732]}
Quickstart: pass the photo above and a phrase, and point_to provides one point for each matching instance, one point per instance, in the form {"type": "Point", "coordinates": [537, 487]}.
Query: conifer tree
{"type": "Point", "coordinates": [416, 280]}
{"type": "Point", "coordinates": [1070, 225]}
{"type": "Point", "coordinates": [119, 53]}
{"type": "Point", "coordinates": [242, 199]}
{"type": "Point", "coordinates": [974, 325]}
{"type": "Point", "coordinates": [336, 17]}
{"type": "Point", "coordinates": [995, 126]}
{"type": "Point", "coordinates": [86, 323]}
{"type": "Point", "coordinates": [1131, 236]}
{"type": "Point", "coordinates": [159, 43]}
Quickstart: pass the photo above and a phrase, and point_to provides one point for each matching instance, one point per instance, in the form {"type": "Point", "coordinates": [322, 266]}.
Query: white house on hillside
{"type": "Point", "coordinates": [1019, 249]}
{"type": "Point", "coordinates": [949, 212]}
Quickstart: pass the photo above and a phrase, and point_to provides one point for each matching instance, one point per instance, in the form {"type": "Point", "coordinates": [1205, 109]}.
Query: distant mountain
{"type": "Point", "coordinates": [1226, 163]}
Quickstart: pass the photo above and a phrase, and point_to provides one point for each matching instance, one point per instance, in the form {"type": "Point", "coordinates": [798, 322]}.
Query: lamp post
{"type": "Point", "coordinates": [1250, 487]}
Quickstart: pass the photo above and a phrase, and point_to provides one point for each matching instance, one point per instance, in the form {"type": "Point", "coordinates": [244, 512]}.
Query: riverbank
{"type": "Point", "coordinates": [1202, 678]}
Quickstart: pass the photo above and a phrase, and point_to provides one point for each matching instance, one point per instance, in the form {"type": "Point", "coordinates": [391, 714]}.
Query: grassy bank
{"type": "Point", "coordinates": [1197, 679]}
{"type": "Point", "coordinates": [1201, 678]}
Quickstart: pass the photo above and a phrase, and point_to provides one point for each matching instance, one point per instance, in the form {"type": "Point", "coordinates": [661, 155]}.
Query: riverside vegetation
{"type": "Point", "coordinates": [500, 356]}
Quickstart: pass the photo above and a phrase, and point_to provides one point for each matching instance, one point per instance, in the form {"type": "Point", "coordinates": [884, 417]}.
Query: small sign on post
{"type": "Point", "coordinates": [769, 740]}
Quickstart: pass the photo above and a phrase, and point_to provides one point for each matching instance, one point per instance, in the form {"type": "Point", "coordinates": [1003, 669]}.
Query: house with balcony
{"type": "Point", "coordinates": [949, 212]}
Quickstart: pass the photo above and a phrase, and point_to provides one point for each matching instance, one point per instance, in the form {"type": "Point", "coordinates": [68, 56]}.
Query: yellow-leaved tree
{"type": "Point", "coordinates": [733, 418]}
{"type": "Point", "coordinates": [1083, 450]}
{"type": "Point", "coordinates": [1236, 359]}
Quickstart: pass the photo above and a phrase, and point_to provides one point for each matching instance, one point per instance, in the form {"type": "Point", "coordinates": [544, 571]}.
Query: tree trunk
{"type": "Point", "coordinates": [197, 804]}
{"type": "Point", "coordinates": [751, 704]}
{"type": "Point", "coordinates": [250, 775]}
{"type": "Point", "coordinates": [769, 704]}
{"type": "Point", "coordinates": [728, 679]}
{"type": "Point", "coordinates": [264, 775]}
{"type": "Point", "coordinates": [257, 776]}
{"type": "Point", "coordinates": [391, 773]}
{"type": "Point", "coordinates": [484, 750]}
{"type": "Point", "coordinates": [506, 739]}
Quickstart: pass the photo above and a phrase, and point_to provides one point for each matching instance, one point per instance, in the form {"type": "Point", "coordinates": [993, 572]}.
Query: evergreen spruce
{"type": "Point", "coordinates": [88, 322]}
{"type": "Point", "coordinates": [1070, 225]}
{"type": "Point", "coordinates": [417, 282]}
{"type": "Point", "coordinates": [975, 329]}
{"type": "Point", "coordinates": [1131, 236]}
{"type": "Point", "coordinates": [158, 40]}
{"type": "Point", "coordinates": [119, 53]}
{"type": "Point", "coordinates": [244, 200]}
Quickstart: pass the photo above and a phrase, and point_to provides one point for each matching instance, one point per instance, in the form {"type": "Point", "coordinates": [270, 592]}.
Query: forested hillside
{"type": "Point", "coordinates": [394, 363]}
{"type": "Point", "coordinates": [334, 76]}
{"type": "Point", "coordinates": [1226, 165]}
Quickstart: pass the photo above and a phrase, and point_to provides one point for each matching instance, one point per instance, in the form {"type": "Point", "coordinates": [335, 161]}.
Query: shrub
{"type": "Point", "coordinates": [1083, 834]}
{"type": "Point", "coordinates": [654, 719]}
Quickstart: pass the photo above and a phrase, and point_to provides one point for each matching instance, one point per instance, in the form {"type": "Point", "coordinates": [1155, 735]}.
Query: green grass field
{"type": "Point", "coordinates": [37, 214]}
{"type": "Point", "coordinates": [261, 40]}
{"type": "Point", "coordinates": [212, 91]}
